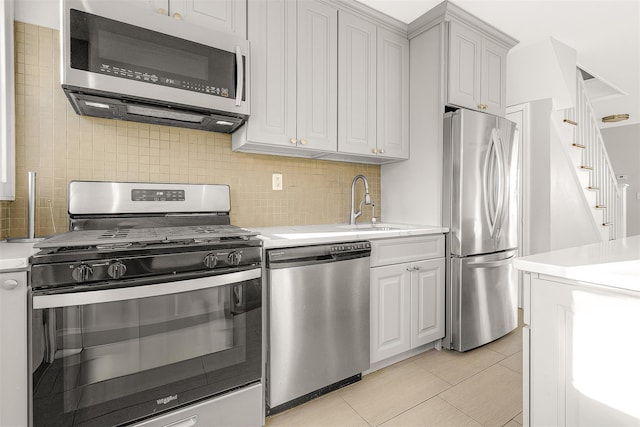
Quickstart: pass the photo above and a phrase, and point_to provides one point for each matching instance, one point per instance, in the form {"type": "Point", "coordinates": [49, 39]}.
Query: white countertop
{"type": "Point", "coordinates": [615, 263]}
{"type": "Point", "coordinates": [15, 256]}
{"type": "Point", "coordinates": [299, 235]}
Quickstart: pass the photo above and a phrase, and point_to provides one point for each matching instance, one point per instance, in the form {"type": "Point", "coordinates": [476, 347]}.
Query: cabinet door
{"type": "Point", "coordinates": [157, 6]}
{"type": "Point", "coordinates": [390, 307]}
{"type": "Point", "coordinates": [493, 84]}
{"type": "Point", "coordinates": [427, 301]}
{"type": "Point", "coordinates": [464, 66]}
{"type": "Point", "coordinates": [317, 76]}
{"type": "Point", "coordinates": [13, 349]}
{"type": "Point", "coordinates": [227, 16]}
{"type": "Point", "coordinates": [393, 95]}
{"type": "Point", "coordinates": [272, 35]}
{"type": "Point", "coordinates": [356, 85]}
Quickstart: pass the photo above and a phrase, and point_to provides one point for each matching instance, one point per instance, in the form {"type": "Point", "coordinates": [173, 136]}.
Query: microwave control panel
{"type": "Point", "coordinates": [143, 76]}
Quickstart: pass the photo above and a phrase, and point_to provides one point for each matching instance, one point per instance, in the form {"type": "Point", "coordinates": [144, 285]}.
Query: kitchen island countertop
{"type": "Point", "coordinates": [299, 235]}
{"type": "Point", "coordinates": [614, 264]}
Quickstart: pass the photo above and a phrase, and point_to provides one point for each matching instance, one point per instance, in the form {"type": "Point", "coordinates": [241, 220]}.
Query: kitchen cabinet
{"type": "Point", "coordinates": [412, 190]}
{"type": "Point", "coordinates": [293, 79]}
{"type": "Point", "coordinates": [573, 376]}
{"type": "Point", "coordinates": [477, 70]}
{"type": "Point", "coordinates": [227, 16]}
{"type": "Point", "coordinates": [13, 349]}
{"type": "Point", "coordinates": [407, 294]}
{"type": "Point", "coordinates": [373, 91]}
{"type": "Point", "coordinates": [7, 104]}
{"type": "Point", "coordinates": [393, 95]}
{"type": "Point", "coordinates": [311, 58]}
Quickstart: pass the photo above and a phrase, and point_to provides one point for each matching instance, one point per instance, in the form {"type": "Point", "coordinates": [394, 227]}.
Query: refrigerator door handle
{"type": "Point", "coordinates": [490, 264]}
{"type": "Point", "coordinates": [502, 183]}
{"type": "Point", "coordinates": [494, 165]}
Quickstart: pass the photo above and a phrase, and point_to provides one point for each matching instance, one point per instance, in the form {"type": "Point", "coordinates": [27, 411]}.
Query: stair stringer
{"type": "Point", "coordinates": [575, 221]}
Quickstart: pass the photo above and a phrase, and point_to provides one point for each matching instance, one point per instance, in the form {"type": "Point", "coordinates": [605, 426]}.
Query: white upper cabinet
{"type": "Point", "coordinates": [7, 104]}
{"type": "Point", "coordinates": [319, 78]}
{"type": "Point", "coordinates": [293, 79]}
{"type": "Point", "coordinates": [393, 95]}
{"type": "Point", "coordinates": [227, 16]}
{"type": "Point", "coordinates": [373, 90]}
{"type": "Point", "coordinates": [477, 71]}
{"type": "Point", "coordinates": [357, 85]}
{"type": "Point", "coordinates": [317, 75]}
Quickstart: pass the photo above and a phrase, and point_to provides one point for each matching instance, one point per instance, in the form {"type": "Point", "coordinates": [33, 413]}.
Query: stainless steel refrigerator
{"type": "Point", "coordinates": [480, 208]}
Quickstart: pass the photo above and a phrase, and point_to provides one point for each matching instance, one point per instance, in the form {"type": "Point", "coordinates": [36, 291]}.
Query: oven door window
{"type": "Point", "coordinates": [115, 362]}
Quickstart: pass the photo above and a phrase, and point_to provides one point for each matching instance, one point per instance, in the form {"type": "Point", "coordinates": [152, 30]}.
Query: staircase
{"type": "Point", "coordinates": [589, 156]}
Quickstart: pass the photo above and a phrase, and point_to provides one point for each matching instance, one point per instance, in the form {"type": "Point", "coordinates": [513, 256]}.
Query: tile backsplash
{"type": "Point", "coordinates": [60, 146]}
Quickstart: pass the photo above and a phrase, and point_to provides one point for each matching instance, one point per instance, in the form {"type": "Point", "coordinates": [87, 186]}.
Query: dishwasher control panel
{"type": "Point", "coordinates": [350, 247]}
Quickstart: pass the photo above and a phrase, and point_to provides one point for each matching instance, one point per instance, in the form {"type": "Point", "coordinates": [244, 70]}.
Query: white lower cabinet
{"type": "Point", "coordinates": [13, 349]}
{"type": "Point", "coordinates": [407, 298]}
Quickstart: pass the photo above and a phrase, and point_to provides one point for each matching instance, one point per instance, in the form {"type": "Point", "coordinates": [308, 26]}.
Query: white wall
{"type": "Point", "coordinates": [623, 145]}
{"type": "Point", "coordinates": [542, 70]}
{"type": "Point", "coordinates": [45, 13]}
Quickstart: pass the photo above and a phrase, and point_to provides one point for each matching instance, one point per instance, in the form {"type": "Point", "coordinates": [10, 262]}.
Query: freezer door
{"type": "Point", "coordinates": [481, 160]}
{"type": "Point", "coordinates": [484, 299]}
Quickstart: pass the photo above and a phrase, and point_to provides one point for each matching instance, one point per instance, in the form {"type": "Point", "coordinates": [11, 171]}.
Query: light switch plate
{"type": "Point", "coordinates": [276, 181]}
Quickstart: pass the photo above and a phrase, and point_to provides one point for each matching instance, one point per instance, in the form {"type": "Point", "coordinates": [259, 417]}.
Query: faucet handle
{"type": "Point", "coordinates": [373, 213]}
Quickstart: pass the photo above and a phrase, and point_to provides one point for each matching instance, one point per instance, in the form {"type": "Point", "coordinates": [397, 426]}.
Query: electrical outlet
{"type": "Point", "coordinates": [276, 181]}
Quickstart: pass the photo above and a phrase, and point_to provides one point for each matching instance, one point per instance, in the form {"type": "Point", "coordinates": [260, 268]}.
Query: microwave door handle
{"type": "Point", "coordinates": [240, 76]}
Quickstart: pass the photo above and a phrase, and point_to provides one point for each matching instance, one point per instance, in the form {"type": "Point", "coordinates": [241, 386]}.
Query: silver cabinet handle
{"type": "Point", "coordinates": [374, 150]}
{"type": "Point", "coordinates": [10, 284]}
{"type": "Point", "coordinates": [240, 74]}
{"type": "Point", "coordinates": [416, 268]}
{"type": "Point", "coordinates": [381, 151]}
{"type": "Point", "coordinates": [303, 141]}
{"type": "Point", "coordinates": [293, 140]}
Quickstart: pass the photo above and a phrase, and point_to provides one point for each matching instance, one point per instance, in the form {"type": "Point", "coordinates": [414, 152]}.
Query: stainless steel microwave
{"type": "Point", "coordinates": [121, 60]}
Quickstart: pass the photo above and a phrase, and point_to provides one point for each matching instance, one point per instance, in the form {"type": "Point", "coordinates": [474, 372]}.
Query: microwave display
{"type": "Point", "coordinates": [105, 46]}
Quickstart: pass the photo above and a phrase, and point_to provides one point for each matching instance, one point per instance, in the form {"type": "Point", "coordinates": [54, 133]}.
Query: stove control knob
{"type": "Point", "coordinates": [116, 270]}
{"type": "Point", "coordinates": [210, 260]}
{"type": "Point", "coordinates": [234, 258]}
{"type": "Point", "coordinates": [82, 273]}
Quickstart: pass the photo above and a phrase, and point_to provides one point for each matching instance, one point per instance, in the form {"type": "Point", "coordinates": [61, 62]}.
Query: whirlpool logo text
{"type": "Point", "coordinates": [167, 399]}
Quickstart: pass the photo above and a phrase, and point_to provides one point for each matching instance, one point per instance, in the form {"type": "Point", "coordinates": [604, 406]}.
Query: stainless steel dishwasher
{"type": "Point", "coordinates": [318, 328]}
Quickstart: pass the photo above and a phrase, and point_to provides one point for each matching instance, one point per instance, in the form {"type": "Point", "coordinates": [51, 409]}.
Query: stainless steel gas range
{"type": "Point", "coordinates": [149, 312]}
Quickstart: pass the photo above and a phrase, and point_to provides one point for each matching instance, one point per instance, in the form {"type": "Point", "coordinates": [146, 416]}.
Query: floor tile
{"type": "Point", "coordinates": [512, 423]}
{"type": "Point", "coordinates": [387, 393]}
{"type": "Point", "coordinates": [434, 412]}
{"type": "Point", "coordinates": [518, 419]}
{"type": "Point", "coordinates": [329, 410]}
{"type": "Point", "coordinates": [509, 344]}
{"type": "Point", "coordinates": [454, 367]}
{"type": "Point", "coordinates": [513, 362]}
{"type": "Point", "coordinates": [492, 397]}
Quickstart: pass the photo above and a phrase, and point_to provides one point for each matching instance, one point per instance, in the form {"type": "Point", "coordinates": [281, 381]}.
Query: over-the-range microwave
{"type": "Point", "coordinates": [121, 60]}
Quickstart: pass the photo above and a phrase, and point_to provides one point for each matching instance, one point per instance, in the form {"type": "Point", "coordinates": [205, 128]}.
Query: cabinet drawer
{"type": "Point", "coordinates": [406, 249]}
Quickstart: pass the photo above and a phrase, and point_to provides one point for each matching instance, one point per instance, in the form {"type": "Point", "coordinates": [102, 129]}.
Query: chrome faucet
{"type": "Point", "coordinates": [367, 198]}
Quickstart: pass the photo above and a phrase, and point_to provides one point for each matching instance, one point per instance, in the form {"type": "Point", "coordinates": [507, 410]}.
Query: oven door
{"type": "Point", "coordinates": [114, 356]}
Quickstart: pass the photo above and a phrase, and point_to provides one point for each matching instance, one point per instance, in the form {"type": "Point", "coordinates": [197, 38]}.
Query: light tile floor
{"type": "Point", "coordinates": [482, 387]}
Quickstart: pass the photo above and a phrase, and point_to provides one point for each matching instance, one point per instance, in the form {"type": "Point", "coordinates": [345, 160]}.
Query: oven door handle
{"type": "Point", "coordinates": [134, 292]}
